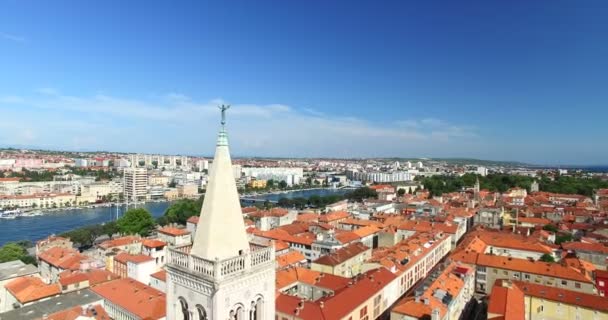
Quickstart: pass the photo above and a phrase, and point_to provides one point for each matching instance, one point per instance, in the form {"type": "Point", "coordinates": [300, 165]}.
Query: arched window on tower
{"type": "Point", "coordinates": [202, 313]}
{"type": "Point", "coordinates": [184, 308]}
{"type": "Point", "coordinates": [257, 307]}
{"type": "Point", "coordinates": [237, 313]}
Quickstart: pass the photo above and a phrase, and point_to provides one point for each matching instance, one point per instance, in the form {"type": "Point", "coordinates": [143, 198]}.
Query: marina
{"type": "Point", "coordinates": [16, 225]}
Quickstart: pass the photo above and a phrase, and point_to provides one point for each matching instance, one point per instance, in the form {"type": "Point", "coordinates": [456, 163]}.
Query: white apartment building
{"type": "Point", "coordinates": [135, 184]}
{"type": "Point", "coordinates": [394, 176]}
{"type": "Point", "coordinates": [290, 175]}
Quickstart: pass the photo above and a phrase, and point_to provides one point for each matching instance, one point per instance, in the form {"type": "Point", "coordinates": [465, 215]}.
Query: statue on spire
{"type": "Point", "coordinates": [223, 108]}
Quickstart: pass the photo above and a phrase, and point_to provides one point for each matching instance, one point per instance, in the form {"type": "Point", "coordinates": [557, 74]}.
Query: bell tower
{"type": "Point", "coordinates": [221, 277]}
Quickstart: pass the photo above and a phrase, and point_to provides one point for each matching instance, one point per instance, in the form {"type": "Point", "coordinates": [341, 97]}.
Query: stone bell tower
{"type": "Point", "coordinates": [221, 278]}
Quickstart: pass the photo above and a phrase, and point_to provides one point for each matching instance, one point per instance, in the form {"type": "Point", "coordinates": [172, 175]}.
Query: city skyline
{"type": "Point", "coordinates": [516, 82]}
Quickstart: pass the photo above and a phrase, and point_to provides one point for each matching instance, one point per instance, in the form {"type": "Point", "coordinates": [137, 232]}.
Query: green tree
{"type": "Point", "coordinates": [110, 228]}
{"type": "Point", "coordinates": [270, 184]}
{"type": "Point", "coordinates": [563, 238]}
{"type": "Point", "coordinates": [401, 192]}
{"type": "Point", "coordinates": [11, 252]}
{"type": "Point", "coordinates": [546, 258]}
{"type": "Point", "coordinates": [362, 193]}
{"type": "Point", "coordinates": [282, 184]}
{"type": "Point", "coordinates": [550, 227]}
{"type": "Point", "coordinates": [136, 221]}
{"type": "Point", "coordinates": [181, 210]}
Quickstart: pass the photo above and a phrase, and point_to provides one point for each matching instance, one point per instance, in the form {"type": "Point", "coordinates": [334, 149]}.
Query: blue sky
{"type": "Point", "coordinates": [514, 80]}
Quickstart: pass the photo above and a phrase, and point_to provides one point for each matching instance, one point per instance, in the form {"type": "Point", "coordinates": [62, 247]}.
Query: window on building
{"type": "Point", "coordinates": [495, 271]}
{"type": "Point", "coordinates": [184, 307]}
{"type": "Point", "coordinates": [601, 283]}
{"type": "Point", "coordinates": [481, 269]}
{"type": "Point", "coordinates": [202, 313]}
{"type": "Point", "coordinates": [577, 285]}
{"type": "Point", "coordinates": [505, 272]}
{"type": "Point", "coordinates": [363, 312]}
{"type": "Point", "coordinates": [377, 299]}
{"type": "Point", "coordinates": [539, 309]}
{"type": "Point", "coordinates": [564, 283]}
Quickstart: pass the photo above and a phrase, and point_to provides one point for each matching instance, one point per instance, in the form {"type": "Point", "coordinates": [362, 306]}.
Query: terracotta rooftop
{"type": "Point", "coordinates": [291, 276]}
{"type": "Point", "coordinates": [153, 243]}
{"type": "Point", "coordinates": [308, 217]}
{"type": "Point", "coordinates": [290, 258]}
{"type": "Point", "coordinates": [343, 302]}
{"type": "Point", "coordinates": [95, 277]}
{"type": "Point", "coordinates": [588, 247]}
{"type": "Point", "coordinates": [421, 225]}
{"type": "Point", "coordinates": [343, 254]}
{"type": "Point", "coordinates": [334, 216]}
{"type": "Point", "coordinates": [160, 275]}
{"type": "Point", "coordinates": [135, 297]}
{"type": "Point", "coordinates": [96, 312]}
{"type": "Point", "coordinates": [124, 257]}
{"type": "Point", "coordinates": [172, 231]}
{"type": "Point", "coordinates": [506, 303]}
{"type": "Point", "coordinates": [62, 258]}
{"type": "Point", "coordinates": [28, 289]}
{"type": "Point", "coordinates": [118, 242]}
{"type": "Point", "coordinates": [448, 281]}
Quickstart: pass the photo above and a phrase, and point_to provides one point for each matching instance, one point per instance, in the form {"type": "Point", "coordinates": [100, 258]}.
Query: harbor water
{"type": "Point", "coordinates": [58, 221]}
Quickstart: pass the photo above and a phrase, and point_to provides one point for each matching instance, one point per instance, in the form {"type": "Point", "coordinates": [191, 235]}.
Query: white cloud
{"type": "Point", "coordinates": [176, 123]}
{"type": "Point", "coordinates": [12, 37]}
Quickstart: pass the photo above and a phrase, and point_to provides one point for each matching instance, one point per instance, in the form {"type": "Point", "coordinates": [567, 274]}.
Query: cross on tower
{"type": "Point", "coordinates": [223, 108]}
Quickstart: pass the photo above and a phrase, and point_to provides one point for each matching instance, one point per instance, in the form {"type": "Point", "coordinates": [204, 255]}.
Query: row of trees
{"type": "Point", "coordinates": [437, 185]}
{"type": "Point", "coordinates": [134, 221]}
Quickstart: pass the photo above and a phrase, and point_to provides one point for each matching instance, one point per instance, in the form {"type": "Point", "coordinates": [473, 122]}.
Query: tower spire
{"type": "Point", "coordinates": [222, 137]}
{"type": "Point", "coordinates": [221, 231]}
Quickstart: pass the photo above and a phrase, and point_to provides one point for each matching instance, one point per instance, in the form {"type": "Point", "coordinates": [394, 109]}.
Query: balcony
{"type": "Point", "coordinates": [219, 269]}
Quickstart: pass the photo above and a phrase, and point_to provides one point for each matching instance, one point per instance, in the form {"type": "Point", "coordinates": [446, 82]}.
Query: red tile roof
{"type": "Point", "coordinates": [124, 257]}
{"type": "Point", "coordinates": [28, 289]}
{"type": "Point", "coordinates": [67, 259]}
{"type": "Point", "coordinates": [135, 297]}
{"type": "Point", "coordinates": [343, 302]}
{"type": "Point", "coordinates": [334, 216]}
{"type": "Point", "coordinates": [506, 302]}
{"type": "Point", "coordinates": [153, 243]}
{"type": "Point", "coordinates": [96, 312]}
{"type": "Point", "coordinates": [290, 258]}
{"type": "Point", "coordinates": [95, 277]}
{"type": "Point", "coordinates": [118, 242]}
{"type": "Point", "coordinates": [160, 275]}
{"type": "Point", "coordinates": [291, 276]}
{"type": "Point", "coordinates": [172, 231]}
{"type": "Point", "coordinates": [341, 255]}
{"type": "Point", "coordinates": [569, 297]}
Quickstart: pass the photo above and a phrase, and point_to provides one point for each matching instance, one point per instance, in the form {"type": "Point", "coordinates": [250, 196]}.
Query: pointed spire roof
{"type": "Point", "coordinates": [221, 231]}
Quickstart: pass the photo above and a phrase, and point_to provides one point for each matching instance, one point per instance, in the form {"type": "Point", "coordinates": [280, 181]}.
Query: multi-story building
{"type": "Point", "coordinates": [445, 299]}
{"type": "Point", "coordinates": [512, 299]}
{"type": "Point", "coordinates": [135, 184]}
{"type": "Point", "coordinates": [290, 175]}
{"type": "Point", "coordinates": [173, 236]}
{"type": "Point", "coordinates": [345, 262]}
{"type": "Point", "coordinates": [491, 268]}
{"type": "Point", "coordinates": [380, 177]}
{"type": "Point", "coordinates": [128, 299]}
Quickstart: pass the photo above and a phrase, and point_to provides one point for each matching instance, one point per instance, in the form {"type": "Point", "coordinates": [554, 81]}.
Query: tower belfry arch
{"type": "Point", "coordinates": [221, 277]}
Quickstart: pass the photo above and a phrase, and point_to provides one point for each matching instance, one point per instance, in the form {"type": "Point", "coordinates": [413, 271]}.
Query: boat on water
{"type": "Point", "coordinates": [10, 214]}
